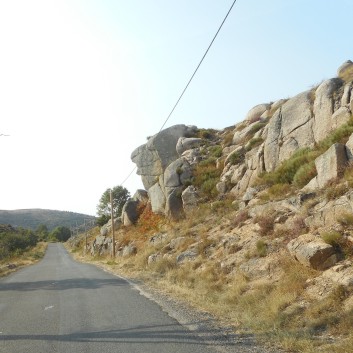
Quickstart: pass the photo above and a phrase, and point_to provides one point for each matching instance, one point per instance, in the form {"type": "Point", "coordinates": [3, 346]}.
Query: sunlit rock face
{"type": "Point", "coordinates": [161, 168]}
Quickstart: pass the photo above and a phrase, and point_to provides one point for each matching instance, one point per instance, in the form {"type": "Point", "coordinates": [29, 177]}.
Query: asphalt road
{"type": "Point", "coordinates": [60, 305]}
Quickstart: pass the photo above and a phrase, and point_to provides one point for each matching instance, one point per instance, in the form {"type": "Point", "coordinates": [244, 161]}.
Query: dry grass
{"type": "Point", "coordinates": [266, 223]}
{"type": "Point", "coordinates": [25, 259]}
{"type": "Point", "coordinates": [278, 311]}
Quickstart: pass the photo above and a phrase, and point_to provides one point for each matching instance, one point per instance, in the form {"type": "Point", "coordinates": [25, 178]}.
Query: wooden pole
{"type": "Point", "coordinates": [112, 218]}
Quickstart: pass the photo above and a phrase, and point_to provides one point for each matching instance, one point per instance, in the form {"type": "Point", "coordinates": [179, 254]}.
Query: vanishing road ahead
{"type": "Point", "coordinates": [60, 305]}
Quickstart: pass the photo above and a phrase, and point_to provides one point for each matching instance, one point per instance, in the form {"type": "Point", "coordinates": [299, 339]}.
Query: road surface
{"type": "Point", "coordinates": [60, 305]}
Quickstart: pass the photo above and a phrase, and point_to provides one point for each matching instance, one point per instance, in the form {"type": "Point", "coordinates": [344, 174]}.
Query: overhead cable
{"type": "Point", "coordinates": [192, 76]}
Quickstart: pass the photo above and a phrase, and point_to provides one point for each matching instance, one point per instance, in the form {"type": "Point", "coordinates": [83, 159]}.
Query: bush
{"type": "Point", "coordinates": [333, 238]}
{"type": "Point", "coordinates": [14, 242]}
{"type": "Point", "coordinates": [236, 158]}
{"type": "Point", "coordinates": [254, 142]}
{"type": "Point", "coordinates": [304, 174]}
{"type": "Point", "coordinates": [216, 151]}
{"type": "Point", "coordinates": [228, 139]}
{"type": "Point", "coordinates": [279, 190]}
{"type": "Point", "coordinates": [340, 135]}
{"type": "Point", "coordinates": [240, 218]}
{"type": "Point", "coordinates": [258, 126]}
{"type": "Point", "coordinates": [287, 171]}
{"type": "Point", "coordinates": [335, 190]}
{"type": "Point", "coordinates": [261, 248]}
{"type": "Point", "coordinates": [206, 177]}
{"type": "Point", "coordinates": [299, 169]}
{"type": "Point", "coordinates": [266, 224]}
{"type": "Point", "coordinates": [206, 134]}
{"type": "Point", "coordinates": [346, 219]}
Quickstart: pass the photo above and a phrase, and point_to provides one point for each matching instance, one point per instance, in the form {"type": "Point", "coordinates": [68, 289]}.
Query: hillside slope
{"type": "Point", "coordinates": [253, 223]}
{"type": "Point", "coordinates": [32, 218]}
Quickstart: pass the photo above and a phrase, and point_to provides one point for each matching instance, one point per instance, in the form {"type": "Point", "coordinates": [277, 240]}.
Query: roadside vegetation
{"type": "Point", "coordinates": [279, 312]}
{"type": "Point", "coordinates": [216, 276]}
{"type": "Point", "coordinates": [20, 247]}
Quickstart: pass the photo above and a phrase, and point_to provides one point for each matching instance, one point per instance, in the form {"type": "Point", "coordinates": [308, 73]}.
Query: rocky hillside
{"type": "Point", "coordinates": [32, 218]}
{"type": "Point", "coordinates": [255, 222]}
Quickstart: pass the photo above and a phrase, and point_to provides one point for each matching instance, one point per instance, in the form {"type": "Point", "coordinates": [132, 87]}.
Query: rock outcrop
{"type": "Point", "coordinates": [163, 169]}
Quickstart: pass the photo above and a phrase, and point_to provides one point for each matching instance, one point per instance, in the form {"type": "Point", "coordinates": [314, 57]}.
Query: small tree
{"type": "Point", "coordinates": [119, 195]}
{"type": "Point", "coordinates": [60, 234]}
{"type": "Point", "coordinates": [42, 232]}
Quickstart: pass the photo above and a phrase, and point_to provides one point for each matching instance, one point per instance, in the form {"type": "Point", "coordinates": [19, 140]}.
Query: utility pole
{"type": "Point", "coordinates": [86, 245]}
{"type": "Point", "coordinates": [112, 218]}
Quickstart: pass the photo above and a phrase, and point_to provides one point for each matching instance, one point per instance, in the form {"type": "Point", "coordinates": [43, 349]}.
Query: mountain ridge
{"type": "Point", "coordinates": [32, 217]}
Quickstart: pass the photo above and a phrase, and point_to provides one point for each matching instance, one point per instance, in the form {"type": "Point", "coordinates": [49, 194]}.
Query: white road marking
{"type": "Point", "coordinates": [49, 307]}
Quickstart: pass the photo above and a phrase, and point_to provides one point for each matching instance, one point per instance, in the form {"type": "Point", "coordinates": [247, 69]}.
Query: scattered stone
{"type": "Point", "coordinates": [154, 258]}
{"type": "Point", "coordinates": [187, 255]}
{"type": "Point", "coordinates": [313, 252]}
{"type": "Point", "coordinates": [129, 250]}
{"type": "Point", "coordinates": [190, 198]}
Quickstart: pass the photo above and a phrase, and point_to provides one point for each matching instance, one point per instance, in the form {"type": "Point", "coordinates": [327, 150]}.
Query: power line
{"type": "Point", "coordinates": [198, 66]}
{"type": "Point", "coordinates": [192, 77]}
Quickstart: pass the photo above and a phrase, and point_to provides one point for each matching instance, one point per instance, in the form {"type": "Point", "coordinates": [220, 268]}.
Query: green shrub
{"type": "Point", "coordinates": [206, 177]}
{"type": "Point", "coordinates": [261, 248]}
{"type": "Point", "coordinates": [228, 139]}
{"type": "Point", "coordinates": [14, 241]}
{"type": "Point", "coordinates": [216, 151]}
{"type": "Point", "coordinates": [207, 162]}
{"type": "Point", "coordinates": [340, 135]}
{"type": "Point", "coordinates": [206, 134]}
{"type": "Point", "coordinates": [335, 190]}
{"type": "Point", "coordinates": [304, 174]}
{"type": "Point", "coordinates": [258, 126]}
{"type": "Point", "coordinates": [333, 238]}
{"type": "Point", "coordinates": [254, 142]}
{"type": "Point", "coordinates": [285, 173]}
{"type": "Point", "coordinates": [346, 219]}
{"type": "Point", "coordinates": [236, 158]}
{"type": "Point", "coordinates": [279, 190]}
{"type": "Point", "coordinates": [266, 223]}
{"type": "Point", "coordinates": [299, 169]}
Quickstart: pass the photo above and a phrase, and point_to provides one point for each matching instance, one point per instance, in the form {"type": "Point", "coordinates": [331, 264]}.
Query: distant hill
{"type": "Point", "coordinates": [32, 218]}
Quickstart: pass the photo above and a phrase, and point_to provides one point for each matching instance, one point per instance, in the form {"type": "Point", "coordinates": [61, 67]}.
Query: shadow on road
{"type": "Point", "coordinates": [139, 335]}
{"type": "Point", "coordinates": [84, 283]}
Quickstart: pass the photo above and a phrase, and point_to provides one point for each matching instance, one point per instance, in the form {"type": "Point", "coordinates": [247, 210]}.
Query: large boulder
{"type": "Point", "coordinates": [323, 108]}
{"type": "Point", "coordinates": [174, 205]}
{"type": "Point", "coordinates": [349, 148]}
{"type": "Point", "coordinates": [256, 112]}
{"type": "Point", "coordinates": [130, 215]}
{"type": "Point", "coordinates": [312, 252]}
{"type": "Point", "coordinates": [157, 198]}
{"type": "Point", "coordinates": [289, 129]}
{"type": "Point", "coordinates": [190, 198]}
{"type": "Point", "coordinates": [187, 143]}
{"type": "Point", "coordinates": [345, 71]}
{"type": "Point", "coordinates": [141, 196]}
{"type": "Point", "coordinates": [101, 245]}
{"type": "Point", "coordinates": [177, 173]}
{"type": "Point", "coordinates": [154, 157]}
{"type": "Point", "coordinates": [328, 213]}
{"type": "Point", "coordinates": [106, 229]}
{"type": "Point", "coordinates": [331, 164]}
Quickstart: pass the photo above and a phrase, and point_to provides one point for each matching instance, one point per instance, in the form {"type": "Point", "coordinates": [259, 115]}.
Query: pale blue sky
{"type": "Point", "coordinates": [84, 82]}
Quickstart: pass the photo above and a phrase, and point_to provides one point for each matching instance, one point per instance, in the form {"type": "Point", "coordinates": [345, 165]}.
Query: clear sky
{"type": "Point", "coordinates": [84, 82]}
